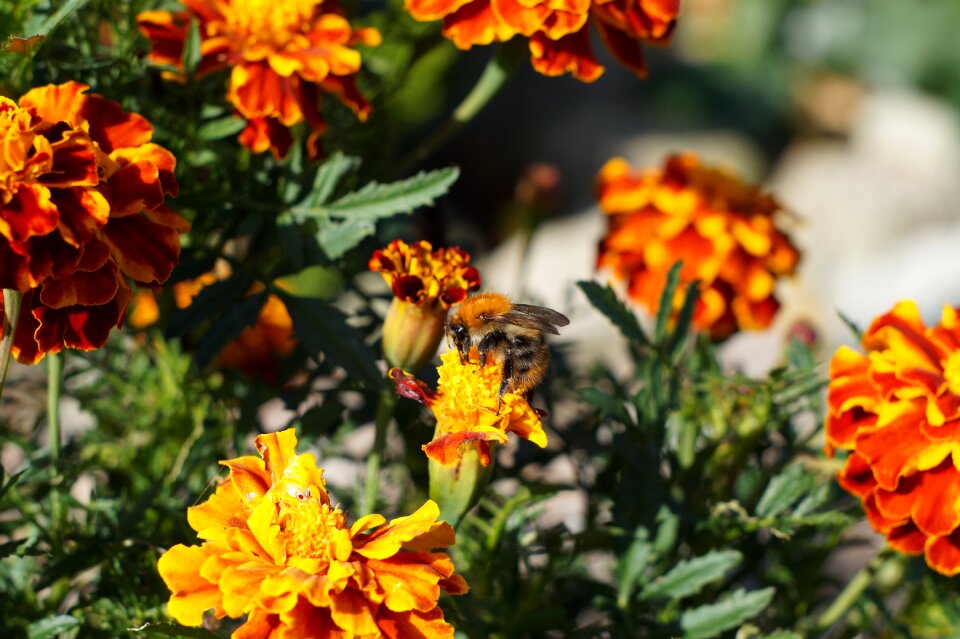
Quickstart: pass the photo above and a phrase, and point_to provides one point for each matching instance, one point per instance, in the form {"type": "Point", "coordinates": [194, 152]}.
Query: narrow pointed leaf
{"type": "Point", "coordinates": [384, 200]}
{"type": "Point", "coordinates": [665, 307]}
{"type": "Point", "coordinates": [604, 299]}
{"type": "Point", "coordinates": [713, 619]}
{"type": "Point", "coordinates": [329, 175]}
{"type": "Point", "coordinates": [783, 490]}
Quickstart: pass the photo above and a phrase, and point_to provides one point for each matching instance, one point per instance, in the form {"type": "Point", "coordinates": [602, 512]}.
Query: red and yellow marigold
{"type": "Point", "coordinates": [425, 284]}
{"type": "Point", "coordinates": [283, 55]}
{"type": "Point", "coordinates": [276, 550]}
{"type": "Point", "coordinates": [82, 208]}
{"type": "Point", "coordinates": [724, 232]}
{"type": "Point", "coordinates": [468, 410]}
{"type": "Point", "coordinates": [558, 30]}
{"type": "Point", "coordinates": [897, 410]}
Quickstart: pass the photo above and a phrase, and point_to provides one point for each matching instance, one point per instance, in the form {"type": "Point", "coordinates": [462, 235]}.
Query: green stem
{"type": "Point", "coordinates": [498, 70]}
{"type": "Point", "coordinates": [54, 389]}
{"type": "Point", "coordinates": [855, 587]}
{"type": "Point", "coordinates": [371, 486]}
{"type": "Point", "coordinates": [11, 316]}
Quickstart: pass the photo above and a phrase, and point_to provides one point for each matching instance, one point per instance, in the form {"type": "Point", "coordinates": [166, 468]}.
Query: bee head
{"type": "Point", "coordinates": [458, 337]}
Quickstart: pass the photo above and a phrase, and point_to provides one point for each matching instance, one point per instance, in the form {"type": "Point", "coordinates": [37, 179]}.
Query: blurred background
{"type": "Point", "coordinates": [846, 110]}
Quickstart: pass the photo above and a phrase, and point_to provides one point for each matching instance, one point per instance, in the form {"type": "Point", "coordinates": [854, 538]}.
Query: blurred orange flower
{"type": "Point", "coordinates": [467, 408]}
{"type": "Point", "coordinates": [82, 208]}
{"type": "Point", "coordinates": [282, 55]}
{"type": "Point", "coordinates": [723, 230]}
{"type": "Point", "coordinates": [559, 31]}
{"type": "Point", "coordinates": [897, 409]}
{"type": "Point", "coordinates": [258, 351]}
{"type": "Point", "coordinates": [425, 284]}
{"type": "Point", "coordinates": [275, 550]}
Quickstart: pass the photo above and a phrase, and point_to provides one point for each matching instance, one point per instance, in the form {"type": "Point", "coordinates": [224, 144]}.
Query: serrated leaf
{"type": "Point", "coordinates": [375, 201]}
{"type": "Point", "coordinates": [209, 302]}
{"type": "Point", "coordinates": [221, 128]}
{"type": "Point", "coordinates": [712, 619]}
{"type": "Point", "coordinates": [604, 299]}
{"type": "Point", "coordinates": [173, 630]}
{"type": "Point", "coordinates": [291, 240]}
{"type": "Point", "coordinates": [328, 176]}
{"type": "Point", "coordinates": [228, 326]}
{"type": "Point", "coordinates": [665, 306]}
{"type": "Point", "coordinates": [322, 328]}
{"type": "Point", "coordinates": [783, 490]}
{"type": "Point", "coordinates": [51, 626]}
{"type": "Point", "coordinates": [336, 238]}
{"type": "Point", "coordinates": [191, 47]}
{"type": "Point", "coordinates": [689, 577]}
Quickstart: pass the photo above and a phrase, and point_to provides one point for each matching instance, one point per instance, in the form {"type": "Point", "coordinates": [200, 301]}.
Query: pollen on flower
{"type": "Point", "coordinates": [307, 526]}
{"type": "Point", "coordinates": [422, 275]}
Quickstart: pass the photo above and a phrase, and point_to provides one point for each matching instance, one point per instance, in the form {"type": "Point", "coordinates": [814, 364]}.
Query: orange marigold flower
{"type": "Point", "coordinates": [559, 31]}
{"type": "Point", "coordinates": [723, 230]}
{"type": "Point", "coordinates": [275, 549]}
{"type": "Point", "coordinates": [468, 410]}
{"type": "Point", "coordinates": [82, 208]}
{"type": "Point", "coordinates": [897, 409]}
{"type": "Point", "coordinates": [282, 55]}
{"type": "Point", "coordinates": [425, 284]}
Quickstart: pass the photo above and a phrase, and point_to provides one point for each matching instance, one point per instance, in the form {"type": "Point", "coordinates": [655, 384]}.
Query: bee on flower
{"type": "Point", "coordinates": [276, 550]}
{"type": "Point", "coordinates": [725, 232]}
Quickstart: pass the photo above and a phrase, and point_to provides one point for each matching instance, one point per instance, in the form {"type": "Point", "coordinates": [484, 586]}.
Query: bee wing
{"type": "Point", "coordinates": [534, 317]}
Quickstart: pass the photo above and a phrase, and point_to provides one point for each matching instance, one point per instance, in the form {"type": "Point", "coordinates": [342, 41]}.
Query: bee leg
{"type": "Point", "coordinates": [488, 342]}
{"type": "Point", "coordinates": [505, 381]}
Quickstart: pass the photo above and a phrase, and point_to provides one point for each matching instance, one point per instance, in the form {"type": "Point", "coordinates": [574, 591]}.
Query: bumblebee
{"type": "Point", "coordinates": [510, 334]}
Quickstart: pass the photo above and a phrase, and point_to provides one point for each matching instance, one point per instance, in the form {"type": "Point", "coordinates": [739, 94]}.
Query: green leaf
{"type": "Point", "coordinates": [376, 201]}
{"type": "Point", "coordinates": [604, 299]}
{"type": "Point", "coordinates": [712, 619]}
{"type": "Point", "coordinates": [228, 326]}
{"type": "Point", "coordinates": [336, 238]}
{"type": "Point", "coordinates": [328, 176]}
{"type": "Point", "coordinates": [783, 490]}
{"type": "Point", "coordinates": [191, 48]}
{"type": "Point", "coordinates": [324, 329]}
{"type": "Point", "coordinates": [221, 128]}
{"type": "Point", "coordinates": [608, 406]}
{"type": "Point", "coordinates": [291, 238]}
{"type": "Point", "coordinates": [59, 16]}
{"type": "Point", "coordinates": [689, 577]}
{"type": "Point", "coordinates": [50, 627]}
{"type": "Point", "coordinates": [173, 630]}
{"type": "Point", "coordinates": [684, 320]}
{"type": "Point", "coordinates": [631, 567]}
{"type": "Point", "coordinates": [665, 307]}
{"type": "Point", "coordinates": [783, 634]}
{"type": "Point", "coordinates": [9, 482]}
{"type": "Point", "coordinates": [856, 330]}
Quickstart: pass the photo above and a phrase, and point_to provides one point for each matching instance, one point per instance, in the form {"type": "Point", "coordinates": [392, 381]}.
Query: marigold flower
{"type": "Point", "coordinates": [468, 410]}
{"type": "Point", "coordinates": [722, 230]}
{"type": "Point", "coordinates": [425, 284]}
{"type": "Point", "coordinates": [559, 31]}
{"type": "Point", "coordinates": [282, 55]}
{"type": "Point", "coordinates": [82, 208]}
{"type": "Point", "coordinates": [276, 550]}
{"type": "Point", "coordinates": [897, 409]}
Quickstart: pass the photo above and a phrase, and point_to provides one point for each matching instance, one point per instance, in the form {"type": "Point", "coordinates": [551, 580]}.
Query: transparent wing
{"type": "Point", "coordinates": [534, 317]}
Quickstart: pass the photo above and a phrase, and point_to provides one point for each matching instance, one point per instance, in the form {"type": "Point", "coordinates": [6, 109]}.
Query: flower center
{"type": "Point", "coordinates": [274, 22]}
{"type": "Point", "coordinates": [308, 525]}
{"type": "Point", "coordinates": [16, 145]}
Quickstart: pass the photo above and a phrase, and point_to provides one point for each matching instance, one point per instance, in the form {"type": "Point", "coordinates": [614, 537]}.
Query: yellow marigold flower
{"type": "Point", "coordinates": [275, 549]}
{"type": "Point", "coordinates": [722, 230]}
{"type": "Point", "coordinates": [425, 284]}
{"type": "Point", "coordinates": [468, 410]}
{"type": "Point", "coordinates": [897, 410]}
{"type": "Point", "coordinates": [282, 54]}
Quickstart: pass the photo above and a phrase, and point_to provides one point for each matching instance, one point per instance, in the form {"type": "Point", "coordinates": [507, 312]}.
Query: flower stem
{"type": "Point", "coordinates": [54, 388]}
{"type": "Point", "coordinates": [855, 587]}
{"type": "Point", "coordinates": [11, 315]}
{"type": "Point", "coordinates": [501, 66]}
{"type": "Point", "coordinates": [371, 486]}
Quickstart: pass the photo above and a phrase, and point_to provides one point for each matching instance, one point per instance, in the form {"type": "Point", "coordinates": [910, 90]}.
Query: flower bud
{"type": "Point", "coordinates": [412, 333]}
